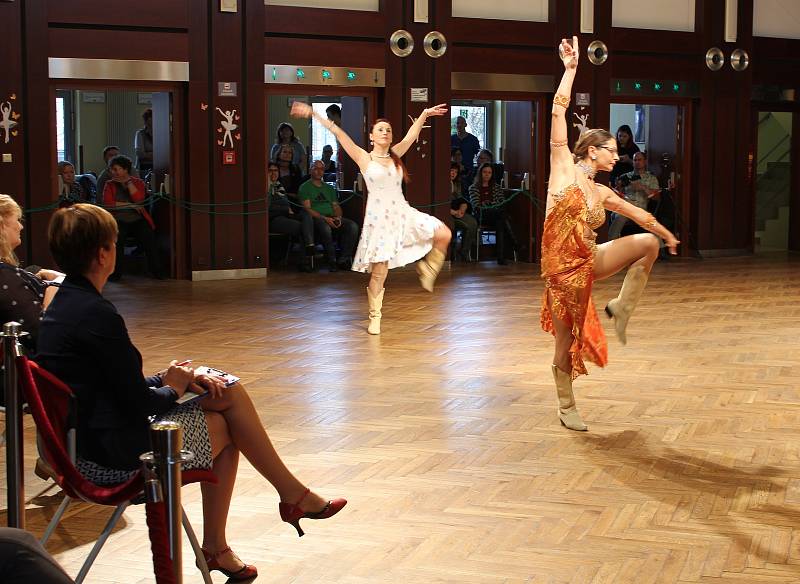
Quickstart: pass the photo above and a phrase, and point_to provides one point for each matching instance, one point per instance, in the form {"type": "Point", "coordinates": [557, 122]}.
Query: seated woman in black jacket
{"type": "Point", "coordinates": [84, 342]}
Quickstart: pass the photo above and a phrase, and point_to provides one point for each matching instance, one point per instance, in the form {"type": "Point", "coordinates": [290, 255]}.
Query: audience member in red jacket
{"type": "Point", "coordinates": [123, 195]}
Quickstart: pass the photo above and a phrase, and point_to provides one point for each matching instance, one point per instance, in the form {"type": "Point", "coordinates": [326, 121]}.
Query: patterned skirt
{"type": "Point", "coordinates": [195, 439]}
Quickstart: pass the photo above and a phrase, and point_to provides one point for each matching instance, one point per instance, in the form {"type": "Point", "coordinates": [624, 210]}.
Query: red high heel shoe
{"type": "Point", "coordinates": [245, 573]}
{"type": "Point", "coordinates": [292, 513]}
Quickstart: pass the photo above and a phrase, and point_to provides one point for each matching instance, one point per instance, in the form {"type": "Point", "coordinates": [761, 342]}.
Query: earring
{"type": "Point", "coordinates": [371, 142]}
{"type": "Point", "coordinates": [594, 157]}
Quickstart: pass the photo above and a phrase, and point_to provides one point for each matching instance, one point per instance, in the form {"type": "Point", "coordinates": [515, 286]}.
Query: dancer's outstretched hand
{"type": "Point", "coordinates": [569, 53]}
{"type": "Point", "coordinates": [672, 244]}
{"type": "Point", "coordinates": [437, 110]}
{"type": "Point", "coordinates": [301, 110]}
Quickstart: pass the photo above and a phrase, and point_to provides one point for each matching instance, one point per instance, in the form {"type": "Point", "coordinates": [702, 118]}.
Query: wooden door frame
{"type": "Point", "coordinates": [686, 110]}
{"type": "Point", "coordinates": [538, 144]}
{"type": "Point", "coordinates": [179, 90]}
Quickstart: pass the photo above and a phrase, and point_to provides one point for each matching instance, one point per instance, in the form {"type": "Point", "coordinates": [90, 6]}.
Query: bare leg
{"type": "Point", "coordinates": [244, 430]}
{"type": "Point", "coordinates": [441, 238]}
{"type": "Point", "coordinates": [377, 277]}
{"type": "Point", "coordinates": [562, 369]}
{"type": "Point", "coordinates": [563, 331]}
{"type": "Point", "coordinates": [637, 251]}
{"type": "Point", "coordinates": [632, 250]}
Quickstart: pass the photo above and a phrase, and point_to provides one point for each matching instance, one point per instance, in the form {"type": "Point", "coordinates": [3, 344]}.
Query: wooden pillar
{"type": "Point", "coordinates": [226, 89]}
{"type": "Point", "coordinates": [428, 160]}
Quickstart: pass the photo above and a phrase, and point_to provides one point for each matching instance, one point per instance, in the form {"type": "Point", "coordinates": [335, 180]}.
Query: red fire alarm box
{"type": "Point", "coordinates": [228, 157]}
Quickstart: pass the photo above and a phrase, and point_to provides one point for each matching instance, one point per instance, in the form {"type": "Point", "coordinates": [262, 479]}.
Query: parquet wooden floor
{"type": "Point", "coordinates": [443, 434]}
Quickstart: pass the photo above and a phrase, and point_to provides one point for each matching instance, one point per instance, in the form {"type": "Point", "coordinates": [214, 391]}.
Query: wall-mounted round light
{"type": "Point", "coordinates": [740, 60]}
{"type": "Point", "coordinates": [715, 59]}
{"type": "Point", "coordinates": [597, 52]}
{"type": "Point", "coordinates": [435, 44]}
{"type": "Point", "coordinates": [401, 43]}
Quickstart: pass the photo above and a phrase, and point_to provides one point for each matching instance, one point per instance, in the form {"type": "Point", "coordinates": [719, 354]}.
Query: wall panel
{"type": "Point", "coordinates": [142, 13]}
{"type": "Point", "coordinates": [329, 52]}
{"type": "Point", "coordinates": [135, 45]}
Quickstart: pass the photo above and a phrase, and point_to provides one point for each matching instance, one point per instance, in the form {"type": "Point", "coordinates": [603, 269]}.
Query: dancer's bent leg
{"type": "Point", "coordinates": [428, 268]}
{"type": "Point", "coordinates": [637, 251]}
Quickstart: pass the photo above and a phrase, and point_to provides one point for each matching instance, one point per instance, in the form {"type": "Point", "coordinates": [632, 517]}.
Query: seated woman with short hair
{"type": "Point", "coordinates": [84, 342]}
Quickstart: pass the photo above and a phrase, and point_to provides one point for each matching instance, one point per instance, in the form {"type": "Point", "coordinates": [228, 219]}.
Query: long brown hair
{"type": "Point", "coordinates": [398, 164]}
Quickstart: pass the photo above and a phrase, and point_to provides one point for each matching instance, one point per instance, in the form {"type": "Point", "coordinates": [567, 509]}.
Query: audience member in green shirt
{"type": "Point", "coordinates": [329, 226]}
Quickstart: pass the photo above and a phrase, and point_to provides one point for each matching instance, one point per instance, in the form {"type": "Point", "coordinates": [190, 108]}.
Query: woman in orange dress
{"type": "Point", "coordinates": [572, 261]}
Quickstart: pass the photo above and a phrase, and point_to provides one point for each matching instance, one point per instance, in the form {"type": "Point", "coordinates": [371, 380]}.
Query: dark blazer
{"type": "Point", "coordinates": [83, 341]}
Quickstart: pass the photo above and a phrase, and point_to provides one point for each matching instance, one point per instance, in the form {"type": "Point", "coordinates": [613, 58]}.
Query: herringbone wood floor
{"type": "Point", "coordinates": [442, 432]}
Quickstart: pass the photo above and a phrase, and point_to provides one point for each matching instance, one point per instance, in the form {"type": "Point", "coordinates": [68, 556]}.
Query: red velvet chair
{"type": "Point", "coordinates": [52, 406]}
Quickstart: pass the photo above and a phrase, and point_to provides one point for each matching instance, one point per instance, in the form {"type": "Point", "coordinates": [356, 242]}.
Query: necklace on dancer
{"type": "Point", "coordinates": [587, 169]}
{"type": "Point", "coordinates": [387, 155]}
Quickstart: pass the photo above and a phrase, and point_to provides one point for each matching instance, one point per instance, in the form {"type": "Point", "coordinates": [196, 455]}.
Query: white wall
{"type": "Point", "coordinates": [776, 18]}
{"type": "Point", "coordinates": [368, 5]}
{"type": "Point", "coordinates": [528, 10]}
{"type": "Point", "coordinates": [621, 113]}
{"type": "Point", "coordinates": [653, 14]}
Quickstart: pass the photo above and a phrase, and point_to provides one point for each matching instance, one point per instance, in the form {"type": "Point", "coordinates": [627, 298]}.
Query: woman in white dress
{"type": "Point", "coordinates": [394, 232]}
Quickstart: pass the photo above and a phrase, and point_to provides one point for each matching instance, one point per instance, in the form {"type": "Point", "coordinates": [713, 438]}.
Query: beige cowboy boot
{"type": "Point", "coordinates": [429, 267]}
{"type": "Point", "coordinates": [375, 305]}
{"type": "Point", "coordinates": [621, 307]}
{"type": "Point", "coordinates": [567, 411]}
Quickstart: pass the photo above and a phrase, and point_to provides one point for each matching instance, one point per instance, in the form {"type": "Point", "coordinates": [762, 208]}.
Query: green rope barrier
{"type": "Point", "coordinates": [210, 208]}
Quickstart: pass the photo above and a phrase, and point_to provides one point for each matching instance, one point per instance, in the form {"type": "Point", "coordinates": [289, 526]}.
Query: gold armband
{"type": "Point", "coordinates": [650, 224]}
{"type": "Point", "coordinates": [562, 100]}
{"type": "Point", "coordinates": [558, 144]}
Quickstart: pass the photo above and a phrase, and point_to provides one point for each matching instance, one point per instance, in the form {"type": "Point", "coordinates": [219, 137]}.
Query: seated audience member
{"type": "Point", "coordinates": [24, 295]}
{"type": "Point", "coordinates": [289, 174]}
{"type": "Point", "coordinates": [321, 201]}
{"type": "Point", "coordinates": [123, 195]}
{"type": "Point", "coordinates": [638, 187]}
{"type": "Point", "coordinates": [84, 342]}
{"type": "Point", "coordinates": [295, 222]}
{"type": "Point", "coordinates": [464, 174]}
{"type": "Point", "coordinates": [463, 220]}
{"type": "Point", "coordinates": [143, 144]}
{"type": "Point", "coordinates": [23, 560]}
{"type": "Point", "coordinates": [285, 137]}
{"type": "Point", "coordinates": [626, 148]}
{"type": "Point", "coordinates": [487, 199]}
{"type": "Point", "coordinates": [109, 152]}
{"type": "Point", "coordinates": [71, 191]}
{"type": "Point", "coordinates": [327, 159]}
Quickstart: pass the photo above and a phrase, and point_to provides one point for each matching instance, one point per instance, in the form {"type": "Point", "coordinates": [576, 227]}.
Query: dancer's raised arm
{"type": "Point", "coordinates": [413, 132]}
{"type": "Point", "coordinates": [560, 156]}
{"type": "Point", "coordinates": [356, 152]}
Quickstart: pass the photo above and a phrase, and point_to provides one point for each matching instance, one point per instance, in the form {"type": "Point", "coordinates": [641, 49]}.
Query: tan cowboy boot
{"type": "Point", "coordinates": [375, 305]}
{"type": "Point", "coordinates": [621, 307]}
{"type": "Point", "coordinates": [429, 267]}
{"type": "Point", "coordinates": [567, 411]}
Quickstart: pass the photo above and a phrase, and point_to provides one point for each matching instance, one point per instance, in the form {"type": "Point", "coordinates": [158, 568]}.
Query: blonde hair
{"type": "Point", "coordinates": [8, 208]}
{"type": "Point", "coordinates": [596, 137]}
{"type": "Point", "coordinates": [76, 233]}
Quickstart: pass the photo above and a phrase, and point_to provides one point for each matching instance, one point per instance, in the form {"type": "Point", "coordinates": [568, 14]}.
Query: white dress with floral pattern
{"type": "Point", "coordinates": [394, 231]}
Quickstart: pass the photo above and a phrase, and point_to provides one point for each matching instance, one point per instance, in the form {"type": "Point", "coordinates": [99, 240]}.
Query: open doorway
{"type": "Point", "coordinates": [654, 165]}
{"type": "Point", "coordinates": [502, 133]}
{"type": "Point", "coordinates": [773, 180]}
{"type": "Point", "coordinates": [295, 144]}
{"type": "Point", "coordinates": [93, 126]}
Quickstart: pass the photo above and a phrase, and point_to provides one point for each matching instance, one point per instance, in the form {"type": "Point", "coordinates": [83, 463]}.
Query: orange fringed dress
{"type": "Point", "coordinates": [568, 248]}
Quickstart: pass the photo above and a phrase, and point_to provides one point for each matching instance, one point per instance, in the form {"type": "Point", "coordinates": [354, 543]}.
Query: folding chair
{"type": "Point", "coordinates": [54, 410]}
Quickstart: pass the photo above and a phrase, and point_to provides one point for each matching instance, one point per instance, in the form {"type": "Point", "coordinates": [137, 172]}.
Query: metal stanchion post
{"type": "Point", "coordinates": [166, 439]}
{"type": "Point", "coordinates": [12, 331]}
